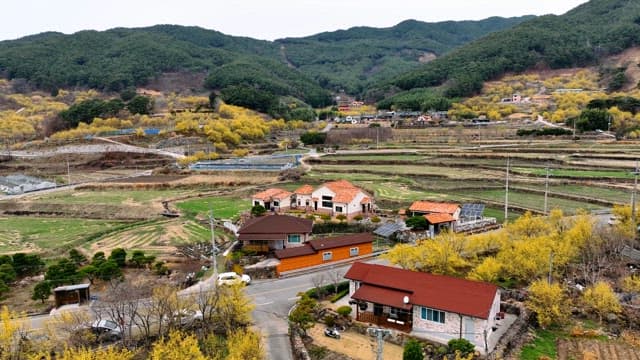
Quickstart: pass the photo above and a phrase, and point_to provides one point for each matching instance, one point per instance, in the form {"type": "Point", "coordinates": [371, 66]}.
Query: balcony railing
{"type": "Point", "coordinates": [259, 248]}
{"type": "Point", "coordinates": [386, 321]}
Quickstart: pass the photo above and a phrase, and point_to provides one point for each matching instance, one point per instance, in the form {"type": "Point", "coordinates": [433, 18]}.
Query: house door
{"type": "Point", "coordinates": [267, 205]}
{"type": "Point", "coordinates": [377, 309]}
{"type": "Point", "coordinates": [315, 206]}
{"type": "Point", "coordinates": [469, 329]}
{"type": "Point", "coordinates": [364, 208]}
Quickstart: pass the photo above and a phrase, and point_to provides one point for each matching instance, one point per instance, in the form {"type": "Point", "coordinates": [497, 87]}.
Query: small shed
{"type": "Point", "coordinates": [71, 294]}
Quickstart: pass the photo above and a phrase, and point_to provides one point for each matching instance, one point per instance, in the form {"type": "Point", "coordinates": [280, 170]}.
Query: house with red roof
{"type": "Point", "coordinates": [273, 199]}
{"type": "Point", "coordinates": [273, 232]}
{"type": "Point", "coordinates": [434, 307]}
{"type": "Point", "coordinates": [440, 215]}
{"type": "Point", "coordinates": [324, 251]}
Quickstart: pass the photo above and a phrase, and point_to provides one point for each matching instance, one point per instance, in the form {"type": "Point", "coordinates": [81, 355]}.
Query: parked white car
{"type": "Point", "coordinates": [230, 278]}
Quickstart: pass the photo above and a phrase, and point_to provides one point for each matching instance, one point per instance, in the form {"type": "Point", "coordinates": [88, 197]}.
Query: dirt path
{"type": "Point", "coordinates": [354, 345]}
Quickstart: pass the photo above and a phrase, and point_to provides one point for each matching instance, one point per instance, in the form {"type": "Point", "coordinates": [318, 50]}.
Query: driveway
{"type": "Point", "coordinates": [354, 345]}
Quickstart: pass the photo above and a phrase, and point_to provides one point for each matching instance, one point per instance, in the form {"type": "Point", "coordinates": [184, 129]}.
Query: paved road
{"type": "Point", "coordinates": [274, 299]}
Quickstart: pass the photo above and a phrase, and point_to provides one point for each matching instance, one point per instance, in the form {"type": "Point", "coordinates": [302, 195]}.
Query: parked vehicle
{"type": "Point", "coordinates": [230, 278]}
{"type": "Point", "coordinates": [187, 317]}
{"type": "Point", "coordinates": [332, 333]}
{"type": "Point", "coordinates": [106, 330]}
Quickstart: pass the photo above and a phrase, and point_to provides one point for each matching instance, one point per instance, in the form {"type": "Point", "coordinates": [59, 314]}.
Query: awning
{"type": "Point", "coordinates": [383, 296]}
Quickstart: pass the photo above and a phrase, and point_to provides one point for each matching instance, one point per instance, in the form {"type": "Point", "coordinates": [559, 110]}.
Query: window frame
{"type": "Point", "coordinates": [327, 256]}
{"type": "Point", "coordinates": [339, 209]}
{"type": "Point", "coordinates": [357, 251]}
{"type": "Point", "coordinates": [433, 315]}
{"type": "Point", "coordinates": [294, 242]}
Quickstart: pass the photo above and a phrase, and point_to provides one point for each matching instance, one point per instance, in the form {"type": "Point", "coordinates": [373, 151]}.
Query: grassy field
{"type": "Point", "coordinates": [614, 174]}
{"type": "Point", "coordinates": [418, 170]}
{"type": "Point", "coordinates": [110, 197]}
{"type": "Point", "coordinates": [223, 207]}
{"type": "Point", "coordinates": [49, 235]}
{"type": "Point", "coordinates": [543, 345]}
{"type": "Point", "coordinates": [526, 200]}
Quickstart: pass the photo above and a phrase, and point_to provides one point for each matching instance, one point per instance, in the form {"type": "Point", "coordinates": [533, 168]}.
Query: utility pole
{"type": "Point", "coordinates": [633, 199]}
{"type": "Point", "coordinates": [550, 266]}
{"type": "Point", "coordinates": [379, 334]}
{"type": "Point", "coordinates": [68, 172]}
{"type": "Point", "coordinates": [546, 191]}
{"type": "Point", "coordinates": [506, 194]}
{"type": "Point", "coordinates": [214, 261]}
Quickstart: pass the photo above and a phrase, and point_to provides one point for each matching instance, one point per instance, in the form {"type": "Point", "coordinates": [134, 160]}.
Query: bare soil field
{"type": "Point", "coordinates": [596, 350]}
{"type": "Point", "coordinates": [354, 345]}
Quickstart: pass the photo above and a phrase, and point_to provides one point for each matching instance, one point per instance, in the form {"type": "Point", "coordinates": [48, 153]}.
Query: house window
{"type": "Point", "coordinates": [255, 203]}
{"type": "Point", "coordinates": [327, 201]}
{"type": "Point", "coordinates": [276, 203]}
{"type": "Point", "coordinates": [432, 315]}
{"type": "Point", "coordinates": [327, 256]}
{"type": "Point", "coordinates": [354, 251]}
{"type": "Point", "coordinates": [299, 202]}
{"type": "Point", "coordinates": [294, 239]}
{"type": "Point", "coordinates": [339, 209]}
{"type": "Point", "coordinates": [307, 202]}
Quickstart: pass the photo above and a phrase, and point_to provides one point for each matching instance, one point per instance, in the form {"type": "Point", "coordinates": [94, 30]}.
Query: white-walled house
{"type": "Point", "coordinates": [433, 307]}
{"type": "Point", "coordinates": [273, 199]}
{"type": "Point", "coordinates": [341, 197]}
{"type": "Point", "coordinates": [332, 198]}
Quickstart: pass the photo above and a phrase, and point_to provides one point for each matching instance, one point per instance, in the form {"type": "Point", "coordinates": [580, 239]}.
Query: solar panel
{"type": "Point", "coordinates": [472, 211]}
{"type": "Point", "coordinates": [387, 230]}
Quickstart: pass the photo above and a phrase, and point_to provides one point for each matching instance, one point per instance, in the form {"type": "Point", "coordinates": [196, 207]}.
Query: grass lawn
{"type": "Point", "coordinates": [48, 234]}
{"type": "Point", "coordinates": [109, 197]}
{"type": "Point", "coordinates": [527, 200]}
{"type": "Point", "coordinates": [223, 207]}
{"type": "Point", "coordinates": [615, 174]}
{"type": "Point", "coordinates": [543, 345]}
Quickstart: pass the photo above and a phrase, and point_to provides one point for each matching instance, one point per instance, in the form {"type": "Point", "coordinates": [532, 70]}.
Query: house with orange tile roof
{"type": "Point", "coordinates": [439, 215]}
{"type": "Point", "coordinates": [434, 307]}
{"type": "Point", "coordinates": [274, 199]}
{"type": "Point", "coordinates": [332, 198]}
{"type": "Point", "coordinates": [341, 198]}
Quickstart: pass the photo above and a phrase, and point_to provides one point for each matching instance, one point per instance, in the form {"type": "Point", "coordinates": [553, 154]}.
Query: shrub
{"type": "Point", "coordinates": [417, 223]}
{"type": "Point", "coordinates": [375, 219]}
{"type": "Point", "coordinates": [344, 310]}
{"type": "Point", "coordinates": [358, 218]}
{"type": "Point", "coordinates": [325, 217]}
{"type": "Point", "coordinates": [339, 295]}
{"type": "Point", "coordinates": [461, 345]}
{"type": "Point", "coordinates": [412, 350]}
{"type": "Point", "coordinates": [310, 217]}
{"type": "Point", "coordinates": [258, 210]}
{"type": "Point", "coordinates": [341, 217]}
{"type": "Point", "coordinates": [330, 320]}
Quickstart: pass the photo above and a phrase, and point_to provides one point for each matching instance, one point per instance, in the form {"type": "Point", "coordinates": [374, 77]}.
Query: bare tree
{"type": "Point", "coordinates": [318, 282]}
{"type": "Point", "coordinates": [336, 276]}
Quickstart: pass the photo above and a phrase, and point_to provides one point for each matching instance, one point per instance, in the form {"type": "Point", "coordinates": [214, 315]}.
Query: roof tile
{"type": "Point", "coordinates": [272, 193]}
{"type": "Point", "coordinates": [434, 207]}
{"type": "Point", "coordinates": [467, 297]}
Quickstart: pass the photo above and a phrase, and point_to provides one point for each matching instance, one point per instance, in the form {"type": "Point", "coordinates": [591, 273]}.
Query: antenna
{"type": "Point", "coordinates": [214, 262]}
{"type": "Point", "coordinates": [506, 193]}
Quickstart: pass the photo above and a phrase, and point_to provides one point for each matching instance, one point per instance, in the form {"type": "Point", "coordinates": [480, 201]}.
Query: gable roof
{"type": "Point", "coordinates": [434, 207]}
{"type": "Point", "coordinates": [344, 191]}
{"type": "Point", "coordinates": [439, 218]}
{"type": "Point", "coordinates": [304, 190]}
{"type": "Point", "coordinates": [273, 227]}
{"type": "Point", "coordinates": [314, 246]}
{"type": "Point", "coordinates": [461, 296]}
{"type": "Point", "coordinates": [272, 193]}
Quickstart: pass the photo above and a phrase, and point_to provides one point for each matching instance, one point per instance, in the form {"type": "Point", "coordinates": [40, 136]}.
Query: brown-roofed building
{"type": "Point", "coordinates": [273, 232]}
{"type": "Point", "coordinates": [273, 199]}
{"type": "Point", "coordinates": [440, 215]}
{"type": "Point", "coordinates": [434, 307]}
{"type": "Point", "coordinates": [324, 250]}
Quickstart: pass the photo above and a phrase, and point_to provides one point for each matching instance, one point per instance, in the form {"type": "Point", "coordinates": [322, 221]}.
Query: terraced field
{"type": "Point", "coordinates": [159, 237]}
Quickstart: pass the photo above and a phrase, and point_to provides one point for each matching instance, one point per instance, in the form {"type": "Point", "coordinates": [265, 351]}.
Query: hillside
{"type": "Point", "coordinates": [581, 37]}
{"type": "Point", "coordinates": [353, 59]}
{"type": "Point", "coordinates": [304, 68]}
{"type": "Point", "coordinates": [116, 59]}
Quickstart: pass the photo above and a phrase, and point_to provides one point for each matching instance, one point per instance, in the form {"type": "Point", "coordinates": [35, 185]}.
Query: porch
{"type": "Point", "coordinates": [398, 322]}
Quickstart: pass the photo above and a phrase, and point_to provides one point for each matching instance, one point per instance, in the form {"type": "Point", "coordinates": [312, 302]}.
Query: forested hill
{"type": "Point", "coordinates": [353, 59]}
{"type": "Point", "coordinates": [304, 68]}
{"type": "Point", "coordinates": [578, 38]}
